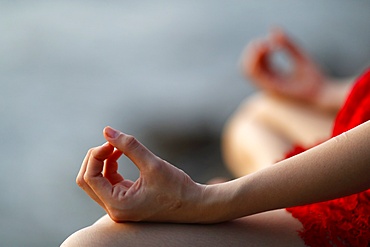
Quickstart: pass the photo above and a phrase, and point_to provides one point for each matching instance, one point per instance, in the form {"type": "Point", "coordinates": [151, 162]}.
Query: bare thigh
{"type": "Point", "coordinates": [265, 127]}
{"type": "Point", "coordinates": [275, 228]}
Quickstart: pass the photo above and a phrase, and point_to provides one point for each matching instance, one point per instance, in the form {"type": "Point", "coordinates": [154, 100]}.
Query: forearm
{"type": "Point", "coordinates": [336, 168]}
{"type": "Point", "coordinates": [334, 93]}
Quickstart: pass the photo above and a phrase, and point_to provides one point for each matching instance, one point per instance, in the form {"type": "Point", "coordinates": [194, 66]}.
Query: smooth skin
{"type": "Point", "coordinates": [303, 81]}
{"type": "Point", "coordinates": [248, 211]}
{"type": "Point", "coordinates": [295, 107]}
{"type": "Point", "coordinates": [275, 228]}
{"type": "Point", "coordinates": [163, 193]}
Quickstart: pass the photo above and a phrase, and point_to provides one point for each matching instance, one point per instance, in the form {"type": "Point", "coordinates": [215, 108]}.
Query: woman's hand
{"type": "Point", "coordinates": [161, 193]}
{"type": "Point", "coordinates": [302, 79]}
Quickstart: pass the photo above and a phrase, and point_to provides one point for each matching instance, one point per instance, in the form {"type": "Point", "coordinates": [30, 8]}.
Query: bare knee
{"type": "Point", "coordinates": [83, 237]}
{"type": "Point", "coordinates": [106, 232]}
{"type": "Point", "coordinates": [94, 235]}
{"type": "Point", "coordinates": [249, 143]}
{"type": "Point", "coordinates": [265, 127]}
{"type": "Point", "coordinates": [275, 228]}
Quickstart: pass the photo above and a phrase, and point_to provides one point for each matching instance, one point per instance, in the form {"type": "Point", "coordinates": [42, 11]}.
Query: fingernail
{"type": "Point", "coordinates": [111, 133]}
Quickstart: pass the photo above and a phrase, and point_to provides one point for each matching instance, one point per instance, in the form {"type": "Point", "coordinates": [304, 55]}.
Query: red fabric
{"type": "Point", "coordinates": [356, 109]}
{"type": "Point", "coordinates": [344, 221]}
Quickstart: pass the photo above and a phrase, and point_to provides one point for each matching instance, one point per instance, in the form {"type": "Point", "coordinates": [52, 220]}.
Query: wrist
{"type": "Point", "coordinates": [197, 205]}
{"type": "Point", "coordinates": [216, 204]}
{"type": "Point", "coordinates": [333, 94]}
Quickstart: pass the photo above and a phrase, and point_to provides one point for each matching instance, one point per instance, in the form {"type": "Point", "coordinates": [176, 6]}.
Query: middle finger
{"type": "Point", "coordinates": [81, 181]}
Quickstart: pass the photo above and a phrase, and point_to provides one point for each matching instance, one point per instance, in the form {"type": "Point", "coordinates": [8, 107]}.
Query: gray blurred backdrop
{"type": "Point", "coordinates": [165, 71]}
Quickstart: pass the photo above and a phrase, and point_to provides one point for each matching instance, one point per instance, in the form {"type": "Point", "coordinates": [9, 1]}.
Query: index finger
{"type": "Point", "coordinates": [131, 147]}
{"type": "Point", "coordinates": [282, 39]}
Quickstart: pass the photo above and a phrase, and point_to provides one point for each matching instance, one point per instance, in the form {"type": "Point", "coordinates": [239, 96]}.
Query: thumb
{"type": "Point", "coordinates": [129, 146]}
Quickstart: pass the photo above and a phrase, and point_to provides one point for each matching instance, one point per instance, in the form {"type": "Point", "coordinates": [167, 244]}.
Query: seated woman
{"type": "Point", "coordinates": [264, 207]}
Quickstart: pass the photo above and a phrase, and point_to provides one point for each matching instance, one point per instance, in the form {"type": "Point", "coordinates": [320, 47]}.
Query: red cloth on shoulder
{"type": "Point", "coordinates": [344, 221]}
{"type": "Point", "coordinates": [356, 109]}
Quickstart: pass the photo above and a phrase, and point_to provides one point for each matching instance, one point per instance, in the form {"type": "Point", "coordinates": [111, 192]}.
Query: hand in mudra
{"type": "Point", "coordinates": [302, 80]}
{"type": "Point", "coordinates": [161, 193]}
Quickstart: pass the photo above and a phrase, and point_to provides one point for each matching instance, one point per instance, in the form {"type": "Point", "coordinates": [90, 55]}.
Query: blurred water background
{"type": "Point", "coordinates": [165, 71]}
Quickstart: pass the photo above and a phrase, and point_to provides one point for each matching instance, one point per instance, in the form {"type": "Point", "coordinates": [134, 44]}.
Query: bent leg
{"type": "Point", "coordinates": [265, 127]}
{"type": "Point", "coordinates": [275, 228]}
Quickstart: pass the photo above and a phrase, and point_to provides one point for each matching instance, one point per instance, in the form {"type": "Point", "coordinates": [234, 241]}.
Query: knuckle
{"type": "Point", "coordinates": [156, 165]}
{"type": "Point", "coordinates": [115, 216]}
{"type": "Point", "coordinates": [131, 142]}
{"type": "Point", "coordinates": [86, 179]}
{"type": "Point", "coordinates": [120, 215]}
{"type": "Point", "coordinates": [94, 152]}
{"type": "Point", "coordinates": [80, 181]}
{"type": "Point", "coordinates": [90, 152]}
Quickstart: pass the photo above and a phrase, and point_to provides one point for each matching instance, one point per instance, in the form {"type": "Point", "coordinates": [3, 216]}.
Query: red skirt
{"type": "Point", "coordinates": [343, 221]}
